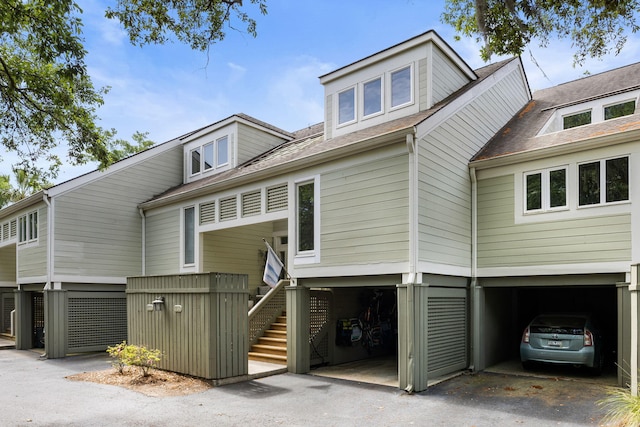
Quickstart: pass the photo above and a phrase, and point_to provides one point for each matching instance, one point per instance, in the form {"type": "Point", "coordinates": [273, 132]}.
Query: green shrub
{"type": "Point", "coordinates": [622, 409]}
{"type": "Point", "coordinates": [133, 355]}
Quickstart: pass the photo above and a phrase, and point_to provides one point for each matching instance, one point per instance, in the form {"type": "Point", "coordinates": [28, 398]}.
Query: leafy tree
{"type": "Point", "coordinates": [5, 190]}
{"type": "Point", "coordinates": [595, 27]}
{"type": "Point", "coordinates": [46, 94]}
{"type": "Point", "coordinates": [121, 148]}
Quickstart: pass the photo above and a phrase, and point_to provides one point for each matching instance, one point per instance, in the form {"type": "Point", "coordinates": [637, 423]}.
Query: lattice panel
{"type": "Point", "coordinates": [277, 198]}
{"type": "Point", "coordinates": [96, 322]}
{"type": "Point", "coordinates": [319, 315]}
{"type": "Point", "coordinates": [228, 209]}
{"type": "Point", "coordinates": [251, 203]}
{"type": "Point", "coordinates": [208, 213]}
{"type": "Point", "coordinates": [8, 305]}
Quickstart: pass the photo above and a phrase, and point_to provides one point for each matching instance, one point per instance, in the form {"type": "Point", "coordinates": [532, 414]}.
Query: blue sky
{"type": "Point", "coordinates": [169, 90]}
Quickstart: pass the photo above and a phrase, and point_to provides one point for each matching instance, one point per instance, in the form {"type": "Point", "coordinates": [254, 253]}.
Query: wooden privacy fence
{"type": "Point", "coordinates": [200, 326]}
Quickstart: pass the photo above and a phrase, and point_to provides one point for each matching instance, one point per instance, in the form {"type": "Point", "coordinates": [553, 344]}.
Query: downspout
{"type": "Point", "coordinates": [143, 219]}
{"type": "Point", "coordinates": [413, 260]}
{"type": "Point", "coordinates": [474, 291]}
{"type": "Point", "coordinates": [633, 291]}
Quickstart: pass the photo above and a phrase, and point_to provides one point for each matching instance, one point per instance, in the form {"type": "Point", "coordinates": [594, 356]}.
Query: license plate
{"type": "Point", "coordinates": [554, 343]}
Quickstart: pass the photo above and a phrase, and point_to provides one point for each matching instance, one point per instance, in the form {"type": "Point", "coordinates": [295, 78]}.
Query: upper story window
{"type": "Point", "coordinates": [347, 106]}
{"type": "Point", "coordinates": [546, 189]}
{"type": "Point", "coordinates": [401, 87]}
{"type": "Point", "coordinates": [610, 175]}
{"type": "Point", "coordinates": [28, 227]}
{"type": "Point", "coordinates": [210, 156]}
{"type": "Point", "coordinates": [305, 216]}
{"type": "Point", "coordinates": [189, 236]}
{"type": "Point", "coordinates": [372, 94]}
{"type": "Point", "coordinates": [619, 110]}
{"type": "Point", "coordinates": [574, 120]}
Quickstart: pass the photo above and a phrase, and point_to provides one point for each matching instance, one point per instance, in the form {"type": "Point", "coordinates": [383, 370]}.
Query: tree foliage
{"type": "Point", "coordinates": [47, 97]}
{"type": "Point", "coordinates": [595, 27]}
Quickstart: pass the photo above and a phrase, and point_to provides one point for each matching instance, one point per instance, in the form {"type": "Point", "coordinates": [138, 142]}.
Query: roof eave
{"type": "Point", "coordinates": [372, 143]}
{"type": "Point", "coordinates": [557, 150]}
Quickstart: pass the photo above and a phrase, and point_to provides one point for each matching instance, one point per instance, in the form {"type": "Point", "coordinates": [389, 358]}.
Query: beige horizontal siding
{"type": "Point", "coordinates": [444, 185]}
{"type": "Point", "coordinates": [238, 250]}
{"type": "Point", "coordinates": [163, 243]}
{"type": "Point", "coordinates": [32, 258]}
{"type": "Point", "coordinates": [365, 213]}
{"type": "Point", "coordinates": [502, 243]}
{"type": "Point", "coordinates": [8, 264]}
{"type": "Point", "coordinates": [98, 226]}
{"type": "Point", "coordinates": [447, 77]}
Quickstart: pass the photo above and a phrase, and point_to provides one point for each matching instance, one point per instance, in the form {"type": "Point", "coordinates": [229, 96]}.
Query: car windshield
{"type": "Point", "coordinates": [570, 325]}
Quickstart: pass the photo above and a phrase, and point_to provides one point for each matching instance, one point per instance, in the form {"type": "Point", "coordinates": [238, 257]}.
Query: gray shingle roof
{"type": "Point", "coordinates": [519, 135]}
{"type": "Point", "coordinates": [310, 144]}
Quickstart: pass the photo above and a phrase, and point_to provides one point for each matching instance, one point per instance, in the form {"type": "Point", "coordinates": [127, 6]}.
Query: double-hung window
{"type": "Point", "coordinates": [546, 190]}
{"type": "Point", "coordinates": [195, 161]}
{"type": "Point", "coordinates": [603, 181]}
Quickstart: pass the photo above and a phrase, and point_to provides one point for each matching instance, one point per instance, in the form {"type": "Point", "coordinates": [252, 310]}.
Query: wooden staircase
{"type": "Point", "coordinates": [272, 346]}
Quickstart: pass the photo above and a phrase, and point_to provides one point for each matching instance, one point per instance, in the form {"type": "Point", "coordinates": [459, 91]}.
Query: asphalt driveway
{"type": "Point", "coordinates": [34, 392]}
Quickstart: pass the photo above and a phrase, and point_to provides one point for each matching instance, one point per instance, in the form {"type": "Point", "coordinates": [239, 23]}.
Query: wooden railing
{"type": "Point", "coordinates": [265, 312]}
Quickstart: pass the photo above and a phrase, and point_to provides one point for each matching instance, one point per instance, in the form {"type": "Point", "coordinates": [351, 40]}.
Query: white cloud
{"type": "Point", "coordinates": [237, 72]}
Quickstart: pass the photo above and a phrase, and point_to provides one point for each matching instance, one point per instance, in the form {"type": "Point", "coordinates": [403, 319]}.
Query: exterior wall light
{"type": "Point", "coordinates": [158, 303]}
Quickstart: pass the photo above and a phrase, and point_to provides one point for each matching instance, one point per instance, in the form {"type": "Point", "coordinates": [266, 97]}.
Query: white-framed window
{"type": "Point", "coordinates": [222, 157]}
{"type": "Point", "coordinates": [189, 241]}
{"type": "Point", "coordinates": [372, 97]}
{"type": "Point", "coordinates": [603, 181]}
{"type": "Point", "coordinates": [620, 109]}
{"type": "Point", "coordinates": [210, 156]}
{"type": "Point", "coordinates": [401, 87]}
{"type": "Point", "coordinates": [194, 156]}
{"type": "Point", "coordinates": [347, 106]}
{"type": "Point", "coordinates": [207, 158]}
{"type": "Point", "coordinates": [305, 216]}
{"type": "Point", "coordinates": [545, 190]}
{"type": "Point", "coordinates": [28, 227]}
{"type": "Point", "coordinates": [578, 119]}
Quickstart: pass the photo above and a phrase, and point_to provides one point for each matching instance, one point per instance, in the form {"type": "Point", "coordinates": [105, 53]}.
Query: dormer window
{"type": "Point", "coordinates": [401, 87]}
{"type": "Point", "coordinates": [347, 106]}
{"type": "Point", "coordinates": [574, 120]}
{"type": "Point", "coordinates": [619, 110]}
{"type": "Point", "coordinates": [372, 93]}
{"type": "Point", "coordinates": [210, 156]}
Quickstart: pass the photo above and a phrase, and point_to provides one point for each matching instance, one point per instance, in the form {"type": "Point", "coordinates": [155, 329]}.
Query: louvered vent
{"type": "Point", "coordinates": [447, 333]}
{"type": "Point", "coordinates": [13, 228]}
{"type": "Point", "coordinates": [277, 198]}
{"type": "Point", "coordinates": [208, 213]}
{"type": "Point", "coordinates": [251, 203]}
{"type": "Point", "coordinates": [5, 231]}
{"type": "Point", "coordinates": [228, 209]}
{"type": "Point", "coordinates": [95, 323]}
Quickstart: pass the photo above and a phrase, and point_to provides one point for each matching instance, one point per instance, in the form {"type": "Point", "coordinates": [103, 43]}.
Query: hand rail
{"type": "Point", "coordinates": [265, 312]}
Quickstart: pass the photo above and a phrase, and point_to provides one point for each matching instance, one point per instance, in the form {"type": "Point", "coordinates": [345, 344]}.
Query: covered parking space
{"type": "Point", "coordinates": [506, 305]}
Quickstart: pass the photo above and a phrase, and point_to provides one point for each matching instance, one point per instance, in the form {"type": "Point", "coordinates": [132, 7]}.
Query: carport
{"type": "Point", "coordinates": [506, 305]}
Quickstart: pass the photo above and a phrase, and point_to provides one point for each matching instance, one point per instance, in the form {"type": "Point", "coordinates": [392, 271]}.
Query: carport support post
{"type": "Point", "coordinates": [298, 307]}
{"type": "Point", "coordinates": [412, 336]}
{"type": "Point", "coordinates": [633, 295]}
{"type": "Point", "coordinates": [24, 324]}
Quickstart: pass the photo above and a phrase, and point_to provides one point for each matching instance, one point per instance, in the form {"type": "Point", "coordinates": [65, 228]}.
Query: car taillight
{"type": "Point", "coordinates": [588, 338]}
{"type": "Point", "coordinates": [525, 335]}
